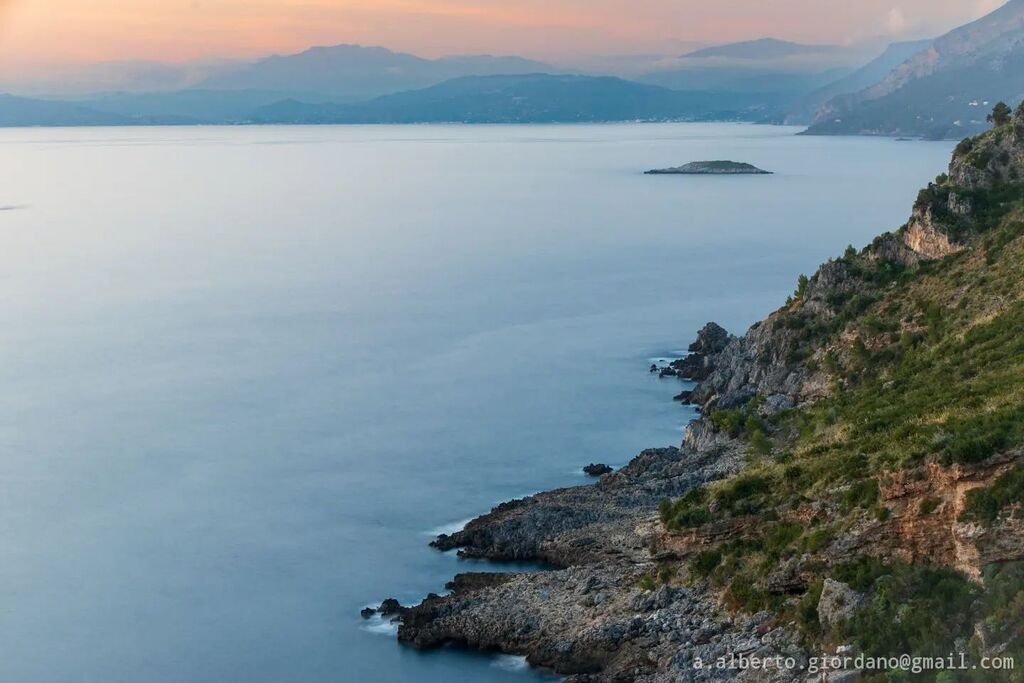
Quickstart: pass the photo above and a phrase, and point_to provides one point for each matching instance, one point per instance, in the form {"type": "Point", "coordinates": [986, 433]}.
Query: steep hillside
{"type": "Point", "coordinates": [855, 484]}
{"type": "Point", "coordinates": [940, 91]}
{"type": "Point", "coordinates": [807, 108]}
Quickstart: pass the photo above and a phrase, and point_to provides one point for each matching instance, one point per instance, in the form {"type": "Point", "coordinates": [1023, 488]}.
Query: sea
{"type": "Point", "coordinates": [247, 373]}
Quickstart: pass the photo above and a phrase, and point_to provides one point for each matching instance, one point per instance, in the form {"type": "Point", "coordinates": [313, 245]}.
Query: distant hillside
{"type": "Point", "coordinates": [127, 76]}
{"type": "Point", "coordinates": [782, 83]}
{"type": "Point", "coordinates": [23, 111]}
{"type": "Point", "coordinates": [764, 48]}
{"type": "Point", "coordinates": [358, 72]}
{"type": "Point", "coordinates": [942, 91]}
{"type": "Point", "coordinates": [188, 106]}
{"type": "Point", "coordinates": [804, 111]}
{"type": "Point", "coordinates": [535, 98]}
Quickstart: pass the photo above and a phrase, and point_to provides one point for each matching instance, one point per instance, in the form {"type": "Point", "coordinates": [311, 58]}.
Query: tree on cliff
{"type": "Point", "coordinates": [1000, 115]}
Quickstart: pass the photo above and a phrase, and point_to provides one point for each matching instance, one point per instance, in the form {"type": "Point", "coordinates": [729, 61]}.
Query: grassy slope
{"type": "Point", "coordinates": [927, 365]}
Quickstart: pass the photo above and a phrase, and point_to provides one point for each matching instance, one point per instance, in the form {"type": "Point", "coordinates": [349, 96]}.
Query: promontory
{"type": "Point", "coordinates": [848, 504]}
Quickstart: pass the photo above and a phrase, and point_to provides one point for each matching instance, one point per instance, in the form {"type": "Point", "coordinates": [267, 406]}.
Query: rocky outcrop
{"type": "Point", "coordinates": [698, 365]}
{"type": "Point", "coordinates": [838, 602]}
{"type": "Point", "coordinates": [591, 619]}
{"type": "Point", "coordinates": [927, 240]}
{"type": "Point", "coordinates": [757, 363]}
{"type": "Point", "coordinates": [983, 162]}
{"type": "Point", "coordinates": [584, 523]}
{"type": "Point", "coordinates": [390, 609]}
{"type": "Point", "coordinates": [594, 623]}
{"type": "Point", "coordinates": [925, 504]}
{"type": "Point", "coordinates": [597, 469]}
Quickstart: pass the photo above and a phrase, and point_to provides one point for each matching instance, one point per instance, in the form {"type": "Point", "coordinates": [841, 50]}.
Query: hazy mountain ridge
{"type": "Point", "coordinates": [25, 111]}
{"type": "Point", "coordinates": [762, 80]}
{"type": "Point", "coordinates": [533, 98]}
{"type": "Point", "coordinates": [762, 48]}
{"type": "Point", "coordinates": [357, 72]}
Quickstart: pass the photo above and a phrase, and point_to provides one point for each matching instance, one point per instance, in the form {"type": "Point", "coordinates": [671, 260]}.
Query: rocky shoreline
{"type": "Point", "coordinates": [770, 528]}
{"type": "Point", "coordinates": [595, 617]}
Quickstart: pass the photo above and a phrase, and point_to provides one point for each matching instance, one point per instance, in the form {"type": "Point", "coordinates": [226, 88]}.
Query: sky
{"type": "Point", "coordinates": [50, 32]}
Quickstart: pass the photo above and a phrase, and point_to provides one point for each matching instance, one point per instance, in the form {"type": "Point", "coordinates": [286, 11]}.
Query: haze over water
{"type": "Point", "coordinates": [245, 373]}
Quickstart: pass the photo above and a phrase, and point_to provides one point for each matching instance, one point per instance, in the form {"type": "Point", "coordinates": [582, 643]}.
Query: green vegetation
{"type": "Point", "coordinates": [687, 512]}
{"type": "Point", "coordinates": [801, 286]}
{"type": "Point", "coordinates": [985, 505]}
{"type": "Point", "coordinates": [925, 611]}
{"type": "Point", "coordinates": [926, 368]}
{"type": "Point", "coordinates": [1000, 115]}
{"type": "Point", "coordinates": [913, 609]}
{"type": "Point", "coordinates": [705, 562]}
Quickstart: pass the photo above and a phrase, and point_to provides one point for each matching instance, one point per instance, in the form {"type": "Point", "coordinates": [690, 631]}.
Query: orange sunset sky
{"type": "Point", "coordinates": [42, 32]}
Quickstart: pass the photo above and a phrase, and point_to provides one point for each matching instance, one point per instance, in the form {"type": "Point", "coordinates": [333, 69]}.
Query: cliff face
{"type": "Point", "coordinates": [859, 459]}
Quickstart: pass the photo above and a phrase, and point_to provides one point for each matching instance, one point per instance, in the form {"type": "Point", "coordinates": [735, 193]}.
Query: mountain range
{"type": "Point", "coordinates": [804, 110]}
{"type": "Point", "coordinates": [356, 72]}
{"type": "Point", "coordinates": [533, 98]}
{"type": "Point", "coordinates": [940, 88]}
{"type": "Point", "coordinates": [349, 83]}
{"type": "Point", "coordinates": [942, 91]}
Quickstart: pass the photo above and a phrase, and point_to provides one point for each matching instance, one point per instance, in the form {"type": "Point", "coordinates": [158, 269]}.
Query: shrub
{"type": "Point", "coordinates": [742, 594]}
{"type": "Point", "coordinates": [744, 493]}
{"type": "Point", "coordinates": [985, 505]}
{"type": "Point", "coordinates": [807, 609]}
{"type": "Point", "coordinates": [917, 610]}
{"type": "Point", "coordinates": [862, 494]}
{"type": "Point", "coordinates": [801, 286]}
{"type": "Point", "coordinates": [760, 444]}
{"type": "Point", "coordinates": [705, 562]}
{"type": "Point", "coordinates": [817, 539]}
{"type": "Point", "coordinates": [687, 512]}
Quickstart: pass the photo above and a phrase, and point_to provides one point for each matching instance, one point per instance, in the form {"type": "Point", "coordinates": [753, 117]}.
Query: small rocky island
{"type": "Point", "coordinates": [711, 168]}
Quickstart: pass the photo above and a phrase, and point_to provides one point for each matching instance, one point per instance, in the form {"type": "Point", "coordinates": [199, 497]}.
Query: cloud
{"type": "Point", "coordinates": [896, 22]}
{"type": "Point", "coordinates": [986, 6]}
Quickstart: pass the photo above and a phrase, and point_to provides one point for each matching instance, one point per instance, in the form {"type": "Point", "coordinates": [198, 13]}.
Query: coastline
{"type": "Point", "coordinates": [604, 547]}
{"type": "Point", "coordinates": [765, 533]}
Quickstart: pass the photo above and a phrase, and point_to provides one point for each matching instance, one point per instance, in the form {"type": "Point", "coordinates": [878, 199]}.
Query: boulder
{"type": "Point", "coordinates": [837, 603]}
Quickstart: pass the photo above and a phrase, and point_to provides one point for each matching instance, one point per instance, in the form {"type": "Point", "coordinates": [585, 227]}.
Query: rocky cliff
{"type": "Point", "coordinates": [854, 483]}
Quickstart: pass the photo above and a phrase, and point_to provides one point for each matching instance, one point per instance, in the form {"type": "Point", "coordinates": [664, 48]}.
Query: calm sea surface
{"type": "Point", "coordinates": [246, 373]}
